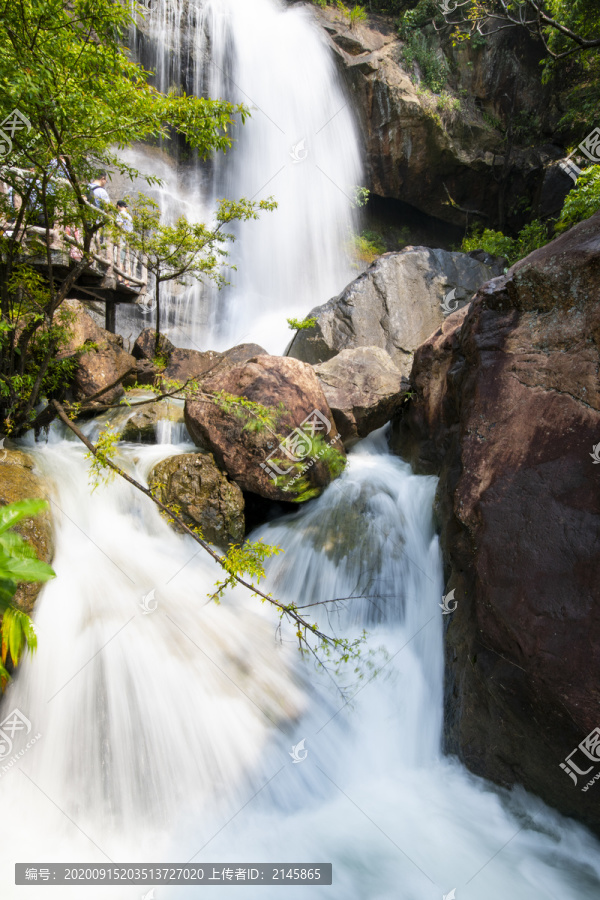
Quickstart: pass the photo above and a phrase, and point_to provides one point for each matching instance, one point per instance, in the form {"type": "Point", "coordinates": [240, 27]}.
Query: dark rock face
{"type": "Point", "coordinates": [396, 304]}
{"type": "Point", "coordinates": [363, 388]}
{"type": "Point", "coordinates": [445, 159]}
{"type": "Point", "coordinates": [18, 481]}
{"type": "Point", "coordinates": [254, 458]}
{"type": "Point", "coordinates": [507, 411]}
{"type": "Point", "coordinates": [104, 364]}
{"type": "Point", "coordinates": [193, 482]}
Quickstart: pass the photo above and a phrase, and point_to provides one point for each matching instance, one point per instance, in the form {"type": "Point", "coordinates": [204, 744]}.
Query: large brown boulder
{"type": "Point", "coordinates": [507, 412]}
{"type": "Point", "coordinates": [186, 365]}
{"type": "Point", "coordinates": [241, 353]}
{"type": "Point", "coordinates": [261, 459]}
{"type": "Point", "coordinates": [206, 498]}
{"type": "Point", "coordinates": [364, 388]}
{"type": "Point", "coordinates": [104, 364]}
{"type": "Point", "coordinates": [19, 481]}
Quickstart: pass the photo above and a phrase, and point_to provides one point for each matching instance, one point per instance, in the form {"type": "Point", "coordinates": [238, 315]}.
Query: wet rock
{"type": "Point", "coordinates": [364, 388]}
{"type": "Point", "coordinates": [445, 155]}
{"type": "Point", "coordinates": [141, 427]}
{"type": "Point", "coordinates": [507, 411]}
{"type": "Point", "coordinates": [251, 454]}
{"type": "Point", "coordinates": [19, 481]}
{"type": "Point", "coordinates": [193, 482]}
{"type": "Point", "coordinates": [394, 305]}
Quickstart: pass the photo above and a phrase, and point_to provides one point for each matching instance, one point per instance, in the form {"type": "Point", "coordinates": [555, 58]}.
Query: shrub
{"type": "Point", "coordinates": [434, 69]}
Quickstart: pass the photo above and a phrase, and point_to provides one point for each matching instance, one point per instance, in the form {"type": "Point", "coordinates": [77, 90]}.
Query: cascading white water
{"type": "Point", "coordinates": [167, 732]}
{"type": "Point", "coordinates": [300, 146]}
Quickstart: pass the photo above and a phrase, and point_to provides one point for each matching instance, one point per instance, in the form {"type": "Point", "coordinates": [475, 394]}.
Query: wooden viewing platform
{"type": "Point", "coordinates": [113, 263]}
{"type": "Point", "coordinates": [100, 279]}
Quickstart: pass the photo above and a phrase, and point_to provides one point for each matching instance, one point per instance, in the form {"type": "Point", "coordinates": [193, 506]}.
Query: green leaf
{"type": "Point", "coordinates": [13, 513]}
{"type": "Point", "coordinates": [26, 569]}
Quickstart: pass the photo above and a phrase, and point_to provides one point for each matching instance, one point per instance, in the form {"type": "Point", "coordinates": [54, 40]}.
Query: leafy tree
{"type": "Point", "coordinates": [569, 31]}
{"type": "Point", "coordinates": [18, 563]}
{"type": "Point", "coordinates": [185, 250]}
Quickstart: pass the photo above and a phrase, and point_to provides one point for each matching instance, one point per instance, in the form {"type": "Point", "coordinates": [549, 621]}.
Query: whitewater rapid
{"type": "Point", "coordinates": [166, 736]}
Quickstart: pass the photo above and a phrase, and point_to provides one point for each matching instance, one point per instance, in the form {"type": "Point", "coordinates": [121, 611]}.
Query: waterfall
{"type": "Point", "coordinates": [300, 146]}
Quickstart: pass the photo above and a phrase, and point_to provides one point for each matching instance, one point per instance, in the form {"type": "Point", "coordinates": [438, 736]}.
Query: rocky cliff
{"type": "Point", "coordinates": [484, 149]}
{"type": "Point", "coordinates": [507, 412]}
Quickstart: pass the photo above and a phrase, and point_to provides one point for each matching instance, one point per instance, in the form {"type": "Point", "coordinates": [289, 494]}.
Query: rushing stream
{"type": "Point", "coordinates": [166, 735]}
{"type": "Point", "coordinates": [166, 722]}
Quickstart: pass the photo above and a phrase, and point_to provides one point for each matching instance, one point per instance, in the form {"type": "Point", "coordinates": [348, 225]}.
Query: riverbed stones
{"type": "Point", "coordinates": [267, 458]}
{"type": "Point", "coordinates": [507, 412]}
{"type": "Point", "coordinates": [395, 305]}
{"type": "Point", "coordinates": [364, 388]}
{"type": "Point", "coordinates": [194, 483]}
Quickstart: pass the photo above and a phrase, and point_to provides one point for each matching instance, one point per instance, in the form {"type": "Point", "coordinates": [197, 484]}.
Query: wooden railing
{"type": "Point", "coordinates": [115, 257]}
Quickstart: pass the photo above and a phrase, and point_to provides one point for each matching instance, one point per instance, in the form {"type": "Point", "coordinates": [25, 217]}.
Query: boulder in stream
{"type": "Point", "coordinates": [294, 457]}
{"type": "Point", "coordinates": [364, 388]}
{"type": "Point", "coordinates": [193, 482]}
{"type": "Point", "coordinates": [104, 363]}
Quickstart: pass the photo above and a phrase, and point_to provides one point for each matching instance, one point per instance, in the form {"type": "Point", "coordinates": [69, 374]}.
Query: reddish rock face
{"type": "Point", "coordinates": [507, 411]}
{"type": "Point", "coordinates": [104, 364]}
{"type": "Point", "coordinates": [291, 389]}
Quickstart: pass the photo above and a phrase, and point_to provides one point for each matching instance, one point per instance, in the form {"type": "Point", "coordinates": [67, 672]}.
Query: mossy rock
{"type": "Point", "coordinates": [18, 481]}
{"type": "Point", "coordinates": [194, 483]}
